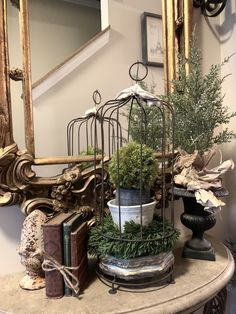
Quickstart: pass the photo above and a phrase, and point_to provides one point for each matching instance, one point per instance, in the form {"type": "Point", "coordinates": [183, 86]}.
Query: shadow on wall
{"type": "Point", "coordinates": [224, 30]}
{"type": "Point", "coordinates": [11, 220]}
{"type": "Point", "coordinates": [230, 183]}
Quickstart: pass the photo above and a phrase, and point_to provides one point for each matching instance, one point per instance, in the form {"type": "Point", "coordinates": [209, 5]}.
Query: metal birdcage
{"type": "Point", "coordinates": [83, 135]}
{"type": "Point", "coordinates": [136, 133]}
{"type": "Point", "coordinates": [80, 131]}
{"type": "Point", "coordinates": [84, 139]}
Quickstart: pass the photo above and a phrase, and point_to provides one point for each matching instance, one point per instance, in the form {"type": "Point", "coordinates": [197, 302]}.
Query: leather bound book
{"type": "Point", "coordinates": [53, 246]}
{"type": "Point", "coordinates": [70, 225]}
{"type": "Point", "coordinates": [79, 255]}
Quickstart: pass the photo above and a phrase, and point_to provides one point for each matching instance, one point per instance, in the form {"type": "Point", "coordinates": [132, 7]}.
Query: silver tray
{"type": "Point", "coordinates": [136, 268]}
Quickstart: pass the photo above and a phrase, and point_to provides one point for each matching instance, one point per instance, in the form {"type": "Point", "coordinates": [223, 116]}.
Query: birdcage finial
{"type": "Point", "coordinates": [135, 67]}
{"type": "Point", "coordinates": [97, 97]}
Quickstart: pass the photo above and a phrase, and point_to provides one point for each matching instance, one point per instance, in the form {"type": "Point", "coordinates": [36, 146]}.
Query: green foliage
{"type": "Point", "coordinates": [198, 104]}
{"type": "Point", "coordinates": [133, 166]}
{"type": "Point", "coordinates": [154, 242]}
{"type": "Point", "coordinates": [89, 151]}
{"type": "Point", "coordinates": [148, 126]}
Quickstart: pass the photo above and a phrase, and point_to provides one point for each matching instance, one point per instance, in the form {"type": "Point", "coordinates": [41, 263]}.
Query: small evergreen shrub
{"type": "Point", "coordinates": [133, 167]}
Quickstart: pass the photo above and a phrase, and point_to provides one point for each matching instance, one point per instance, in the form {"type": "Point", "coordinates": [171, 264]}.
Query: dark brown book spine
{"type": "Point", "coordinates": [79, 254]}
{"type": "Point", "coordinates": [53, 247]}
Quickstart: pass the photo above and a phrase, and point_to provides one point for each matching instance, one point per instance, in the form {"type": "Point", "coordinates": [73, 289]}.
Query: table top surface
{"type": "Point", "coordinates": [196, 281]}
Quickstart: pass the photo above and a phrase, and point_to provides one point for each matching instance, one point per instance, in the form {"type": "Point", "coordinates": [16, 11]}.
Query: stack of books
{"type": "Point", "coordinates": [65, 241]}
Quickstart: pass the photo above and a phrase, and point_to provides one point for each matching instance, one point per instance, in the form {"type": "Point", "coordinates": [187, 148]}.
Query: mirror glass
{"type": "Point", "coordinates": [58, 28]}
{"type": "Point", "coordinates": [106, 71]}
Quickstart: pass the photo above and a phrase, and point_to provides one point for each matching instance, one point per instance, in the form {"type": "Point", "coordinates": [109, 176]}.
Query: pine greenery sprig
{"type": "Point", "coordinates": [152, 123]}
{"type": "Point", "coordinates": [198, 103]}
{"type": "Point", "coordinates": [108, 241]}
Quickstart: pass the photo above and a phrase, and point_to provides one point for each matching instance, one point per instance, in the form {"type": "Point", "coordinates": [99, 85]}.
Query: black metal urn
{"type": "Point", "coordinates": [198, 220]}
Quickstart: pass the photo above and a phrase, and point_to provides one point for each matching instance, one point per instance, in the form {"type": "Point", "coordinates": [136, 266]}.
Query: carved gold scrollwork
{"type": "Point", "coordinates": [76, 188]}
{"type": "Point", "coordinates": [10, 198]}
{"type": "Point", "coordinates": [7, 155]}
{"type": "Point", "coordinates": [15, 175]}
{"type": "Point", "coordinates": [16, 74]}
{"type": "Point", "coordinates": [70, 190]}
{"type": "Point", "coordinates": [9, 193]}
{"type": "Point", "coordinates": [44, 204]}
{"type": "Point", "coordinates": [22, 172]}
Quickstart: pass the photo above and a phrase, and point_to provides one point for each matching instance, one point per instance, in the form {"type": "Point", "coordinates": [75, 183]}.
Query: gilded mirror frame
{"type": "Point", "coordinates": [18, 182]}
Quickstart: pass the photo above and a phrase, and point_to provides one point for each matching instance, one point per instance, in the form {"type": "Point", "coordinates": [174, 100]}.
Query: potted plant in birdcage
{"type": "Point", "coordinates": [130, 239]}
{"type": "Point", "coordinates": [133, 170]}
{"type": "Point", "coordinates": [200, 116]}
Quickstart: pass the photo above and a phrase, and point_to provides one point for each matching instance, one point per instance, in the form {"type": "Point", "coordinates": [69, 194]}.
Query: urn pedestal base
{"type": "Point", "coordinates": [199, 253]}
{"type": "Point", "coordinates": [199, 221]}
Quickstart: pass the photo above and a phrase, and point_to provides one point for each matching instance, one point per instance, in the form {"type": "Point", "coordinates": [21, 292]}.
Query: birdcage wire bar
{"type": "Point", "coordinates": [75, 132]}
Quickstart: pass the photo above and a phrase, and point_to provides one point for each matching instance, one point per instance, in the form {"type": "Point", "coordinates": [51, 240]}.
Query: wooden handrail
{"type": "Point", "coordinates": [67, 66]}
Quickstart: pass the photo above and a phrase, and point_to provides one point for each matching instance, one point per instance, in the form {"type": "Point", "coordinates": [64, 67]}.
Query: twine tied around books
{"type": "Point", "coordinates": [50, 264]}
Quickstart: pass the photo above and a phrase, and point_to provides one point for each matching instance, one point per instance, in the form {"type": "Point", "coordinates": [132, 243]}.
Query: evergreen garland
{"type": "Point", "coordinates": [198, 103]}
{"type": "Point", "coordinates": [108, 241]}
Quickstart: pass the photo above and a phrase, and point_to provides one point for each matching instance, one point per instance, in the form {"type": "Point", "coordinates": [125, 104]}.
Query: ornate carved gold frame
{"type": "Point", "coordinates": [19, 184]}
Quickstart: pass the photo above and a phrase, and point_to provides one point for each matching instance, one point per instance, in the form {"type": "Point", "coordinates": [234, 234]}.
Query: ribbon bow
{"type": "Point", "coordinates": [50, 264]}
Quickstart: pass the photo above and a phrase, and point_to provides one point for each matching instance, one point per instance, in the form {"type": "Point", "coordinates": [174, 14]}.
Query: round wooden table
{"type": "Point", "coordinates": [196, 282]}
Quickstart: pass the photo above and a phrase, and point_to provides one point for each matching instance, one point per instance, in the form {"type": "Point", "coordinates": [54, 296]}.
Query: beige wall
{"type": "Point", "coordinates": [106, 71]}
{"type": "Point", "coordinates": [217, 39]}
{"type": "Point", "coordinates": [58, 29]}
{"type": "Point", "coordinates": [227, 41]}
{"type": "Point", "coordinates": [227, 36]}
{"type": "Point", "coordinates": [11, 220]}
{"type": "Point", "coordinates": [208, 41]}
